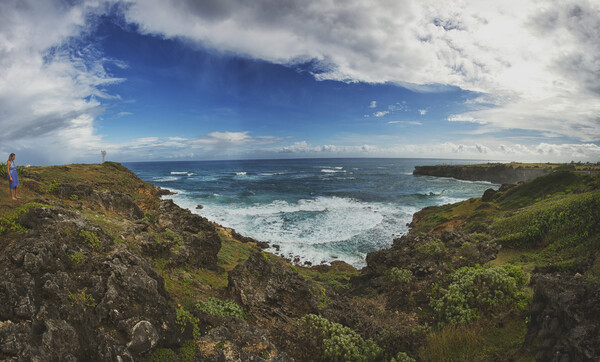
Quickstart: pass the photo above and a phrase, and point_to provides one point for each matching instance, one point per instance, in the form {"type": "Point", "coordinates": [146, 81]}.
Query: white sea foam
{"type": "Point", "coordinates": [165, 179]}
{"type": "Point", "coordinates": [241, 173]}
{"type": "Point", "coordinates": [328, 170]}
{"type": "Point", "coordinates": [179, 172]}
{"type": "Point", "coordinates": [476, 182]}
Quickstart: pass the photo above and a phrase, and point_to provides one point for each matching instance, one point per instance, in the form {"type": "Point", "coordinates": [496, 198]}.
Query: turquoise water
{"type": "Point", "coordinates": [318, 210]}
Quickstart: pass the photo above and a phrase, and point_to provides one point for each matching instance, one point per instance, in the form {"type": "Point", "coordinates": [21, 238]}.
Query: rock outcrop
{"type": "Point", "coordinates": [565, 318]}
{"type": "Point", "coordinates": [431, 254]}
{"type": "Point", "coordinates": [498, 173]}
{"type": "Point", "coordinates": [70, 293]}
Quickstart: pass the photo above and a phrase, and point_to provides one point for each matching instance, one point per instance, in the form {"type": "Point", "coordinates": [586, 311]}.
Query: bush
{"type": "Point", "coordinates": [221, 308]}
{"type": "Point", "coordinates": [184, 318]}
{"type": "Point", "coordinates": [10, 220]}
{"type": "Point", "coordinates": [476, 291]}
{"type": "Point", "coordinates": [399, 276]}
{"type": "Point", "coordinates": [329, 341]}
{"type": "Point", "coordinates": [90, 237]}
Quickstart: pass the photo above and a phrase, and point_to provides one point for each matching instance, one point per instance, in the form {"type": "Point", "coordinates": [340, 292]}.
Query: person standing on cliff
{"type": "Point", "coordinates": [13, 177]}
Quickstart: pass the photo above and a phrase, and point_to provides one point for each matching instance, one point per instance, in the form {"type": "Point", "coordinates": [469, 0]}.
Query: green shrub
{"type": "Point", "coordinates": [328, 341]}
{"type": "Point", "coordinates": [90, 237]}
{"type": "Point", "coordinates": [476, 291]}
{"type": "Point", "coordinates": [162, 355]}
{"type": "Point", "coordinates": [432, 247]}
{"type": "Point", "coordinates": [184, 318]}
{"type": "Point", "coordinates": [150, 217]}
{"type": "Point", "coordinates": [10, 220]}
{"type": "Point", "coordinates": [221, 308]}
{"type": "Point", "coordinates": [399, 276]}
{"type": "Point", "coordinates": [402, 357]}
{"type": "Point", "coordinates": [78, 257]}
{"type": "Point", "coordinates": [52, 187]}
{"type": "Point", "coordinates": [82, 298]}
{"type": "Point", "coordinates": [173, 236]}
{"type": "Point", "coordinates": [187, 352]}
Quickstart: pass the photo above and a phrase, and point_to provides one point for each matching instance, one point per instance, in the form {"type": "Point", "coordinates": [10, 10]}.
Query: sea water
{"type": "Point", "coordinates": [317, 210]}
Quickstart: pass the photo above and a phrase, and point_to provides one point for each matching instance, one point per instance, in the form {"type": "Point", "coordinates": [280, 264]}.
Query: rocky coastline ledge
{"type": "Point", "coordinates": [502, 173]}
{"type": "Point", "coordinates": [97, 267]}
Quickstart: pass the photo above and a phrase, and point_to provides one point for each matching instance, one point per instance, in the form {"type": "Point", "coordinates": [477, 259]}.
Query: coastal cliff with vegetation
{"type": "Point", "coordinates": [502, 173]}
{"type": "Point", "coordinates": [96, 266]}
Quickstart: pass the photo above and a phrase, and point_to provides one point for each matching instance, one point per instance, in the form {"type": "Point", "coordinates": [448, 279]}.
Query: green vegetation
{"type": "Point", "coordinates": [90, 237]}
{"type": "Point", "coordinates": [483, 341]}
{"type": "Point", "coordinates": [399, 276]}
{"type": "Point", "coordinates": [221, 308]}
{"type": "Point", "coordinates": [81, 297]}
{"type": "Point", "coordinates": [78, 257]}
{"type": "Point", "coordinates": [9, 221]}
{"type": "Point", "coordinates": [478, 291]}
{"type": "Point", "coordinates": [187, 352]}
{"type": "Point", "coordinates": [186, 320]}
{"type": "Point", "coordinates": [330, 341]}
{"type": "Point", "coordinates": [162, 355]}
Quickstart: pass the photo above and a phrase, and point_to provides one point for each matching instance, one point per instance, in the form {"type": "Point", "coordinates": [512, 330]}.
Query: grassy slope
{"type": "Point", "coordinates": [552, 220]}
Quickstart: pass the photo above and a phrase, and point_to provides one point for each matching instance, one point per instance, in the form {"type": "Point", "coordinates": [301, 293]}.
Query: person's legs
{"type": "Point", "coordinates": [17, 192]}
{"type": "Point", "coordinates": [12, 194]}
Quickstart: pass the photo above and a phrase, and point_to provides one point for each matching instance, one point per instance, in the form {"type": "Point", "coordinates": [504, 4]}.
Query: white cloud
{"type": "Point", "coordinates": [422, 112]}
{"type": "Point", "coordinates": [543, 152]}
{"type": "Point", "coordinates": [381, 113]}
{"type": "Point", "coordinates": [534, 64]}
{"type": "Point", "coordinates": [537, 61]}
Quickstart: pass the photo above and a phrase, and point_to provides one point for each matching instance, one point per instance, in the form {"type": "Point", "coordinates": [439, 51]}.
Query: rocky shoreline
{"type": "Point", "coordinates": [109, 271]}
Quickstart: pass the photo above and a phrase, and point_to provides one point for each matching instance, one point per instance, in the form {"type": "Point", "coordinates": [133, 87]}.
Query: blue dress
{"type": "Point", "coordinates": [15, 178]}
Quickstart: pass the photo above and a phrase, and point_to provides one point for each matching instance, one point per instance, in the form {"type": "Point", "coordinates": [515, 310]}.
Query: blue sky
{"type": "Point", "coordinates": [159, 80]}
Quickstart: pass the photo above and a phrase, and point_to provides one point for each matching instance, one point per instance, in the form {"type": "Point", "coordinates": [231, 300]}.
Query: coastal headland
{"type": "Point", "coordinates": [96, 266]}
{"type": "Point", "coordinates": [502, 173]}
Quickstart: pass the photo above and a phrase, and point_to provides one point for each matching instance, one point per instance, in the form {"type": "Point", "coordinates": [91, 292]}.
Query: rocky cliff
{"type": "Point", "coordinates": [98, 270]}
{"type": "Point", "coordinates": [494, 173]}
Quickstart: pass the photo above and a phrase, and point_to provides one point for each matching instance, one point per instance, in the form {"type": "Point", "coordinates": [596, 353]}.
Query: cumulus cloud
{"type": "Point", "coordinates": [536, 67]}
{"type": "Point", "coordinates": [381, 113]}
{"type": "Point", "coordinates": [422, 112]}
{"type": "Point", "coordinates": [373, 104]}
{"type": "Point", "coordinates": [542, 152]}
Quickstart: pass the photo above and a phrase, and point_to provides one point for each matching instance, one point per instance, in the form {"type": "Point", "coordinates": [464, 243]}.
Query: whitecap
{"type": "Point", "coordinates": [179, 172]}
{"type": "Point", "coordinates": [241, 173]}
{"type": "Point", "coordinates": [165, 179]}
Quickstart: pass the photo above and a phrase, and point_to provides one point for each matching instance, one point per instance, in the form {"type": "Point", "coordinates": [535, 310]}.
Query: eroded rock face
{"type": "Point", "coordinates": [431, 254]}
{"type": "Point", "coordinates": [68, 293]}
{"type": "Point", "coordinates": [275, 296]}
{"type": "Point", "coordinates": [189, 239]}
{"type": "Point", "coordinates": [565, 319]}
{"type": "Point", "coordinates": [268, 288]}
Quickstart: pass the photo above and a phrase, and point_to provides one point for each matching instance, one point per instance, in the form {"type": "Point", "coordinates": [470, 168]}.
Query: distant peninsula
{"type": "Point", "coordinates": [502, 173]}
{"type": "Point", "coordinates": [97, 266]}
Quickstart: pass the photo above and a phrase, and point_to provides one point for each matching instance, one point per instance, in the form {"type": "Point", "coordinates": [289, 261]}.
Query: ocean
{"type": "Point", "coordinates": [315, 210]}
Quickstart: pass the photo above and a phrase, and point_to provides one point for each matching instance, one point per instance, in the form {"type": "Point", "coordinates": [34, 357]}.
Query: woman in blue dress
{"type": "Point", "coordinates": [13, 178]}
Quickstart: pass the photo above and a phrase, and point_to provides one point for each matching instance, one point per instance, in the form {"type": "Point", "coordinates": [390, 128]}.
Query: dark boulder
{"type": "Point", "coordinates": [565, 319]}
